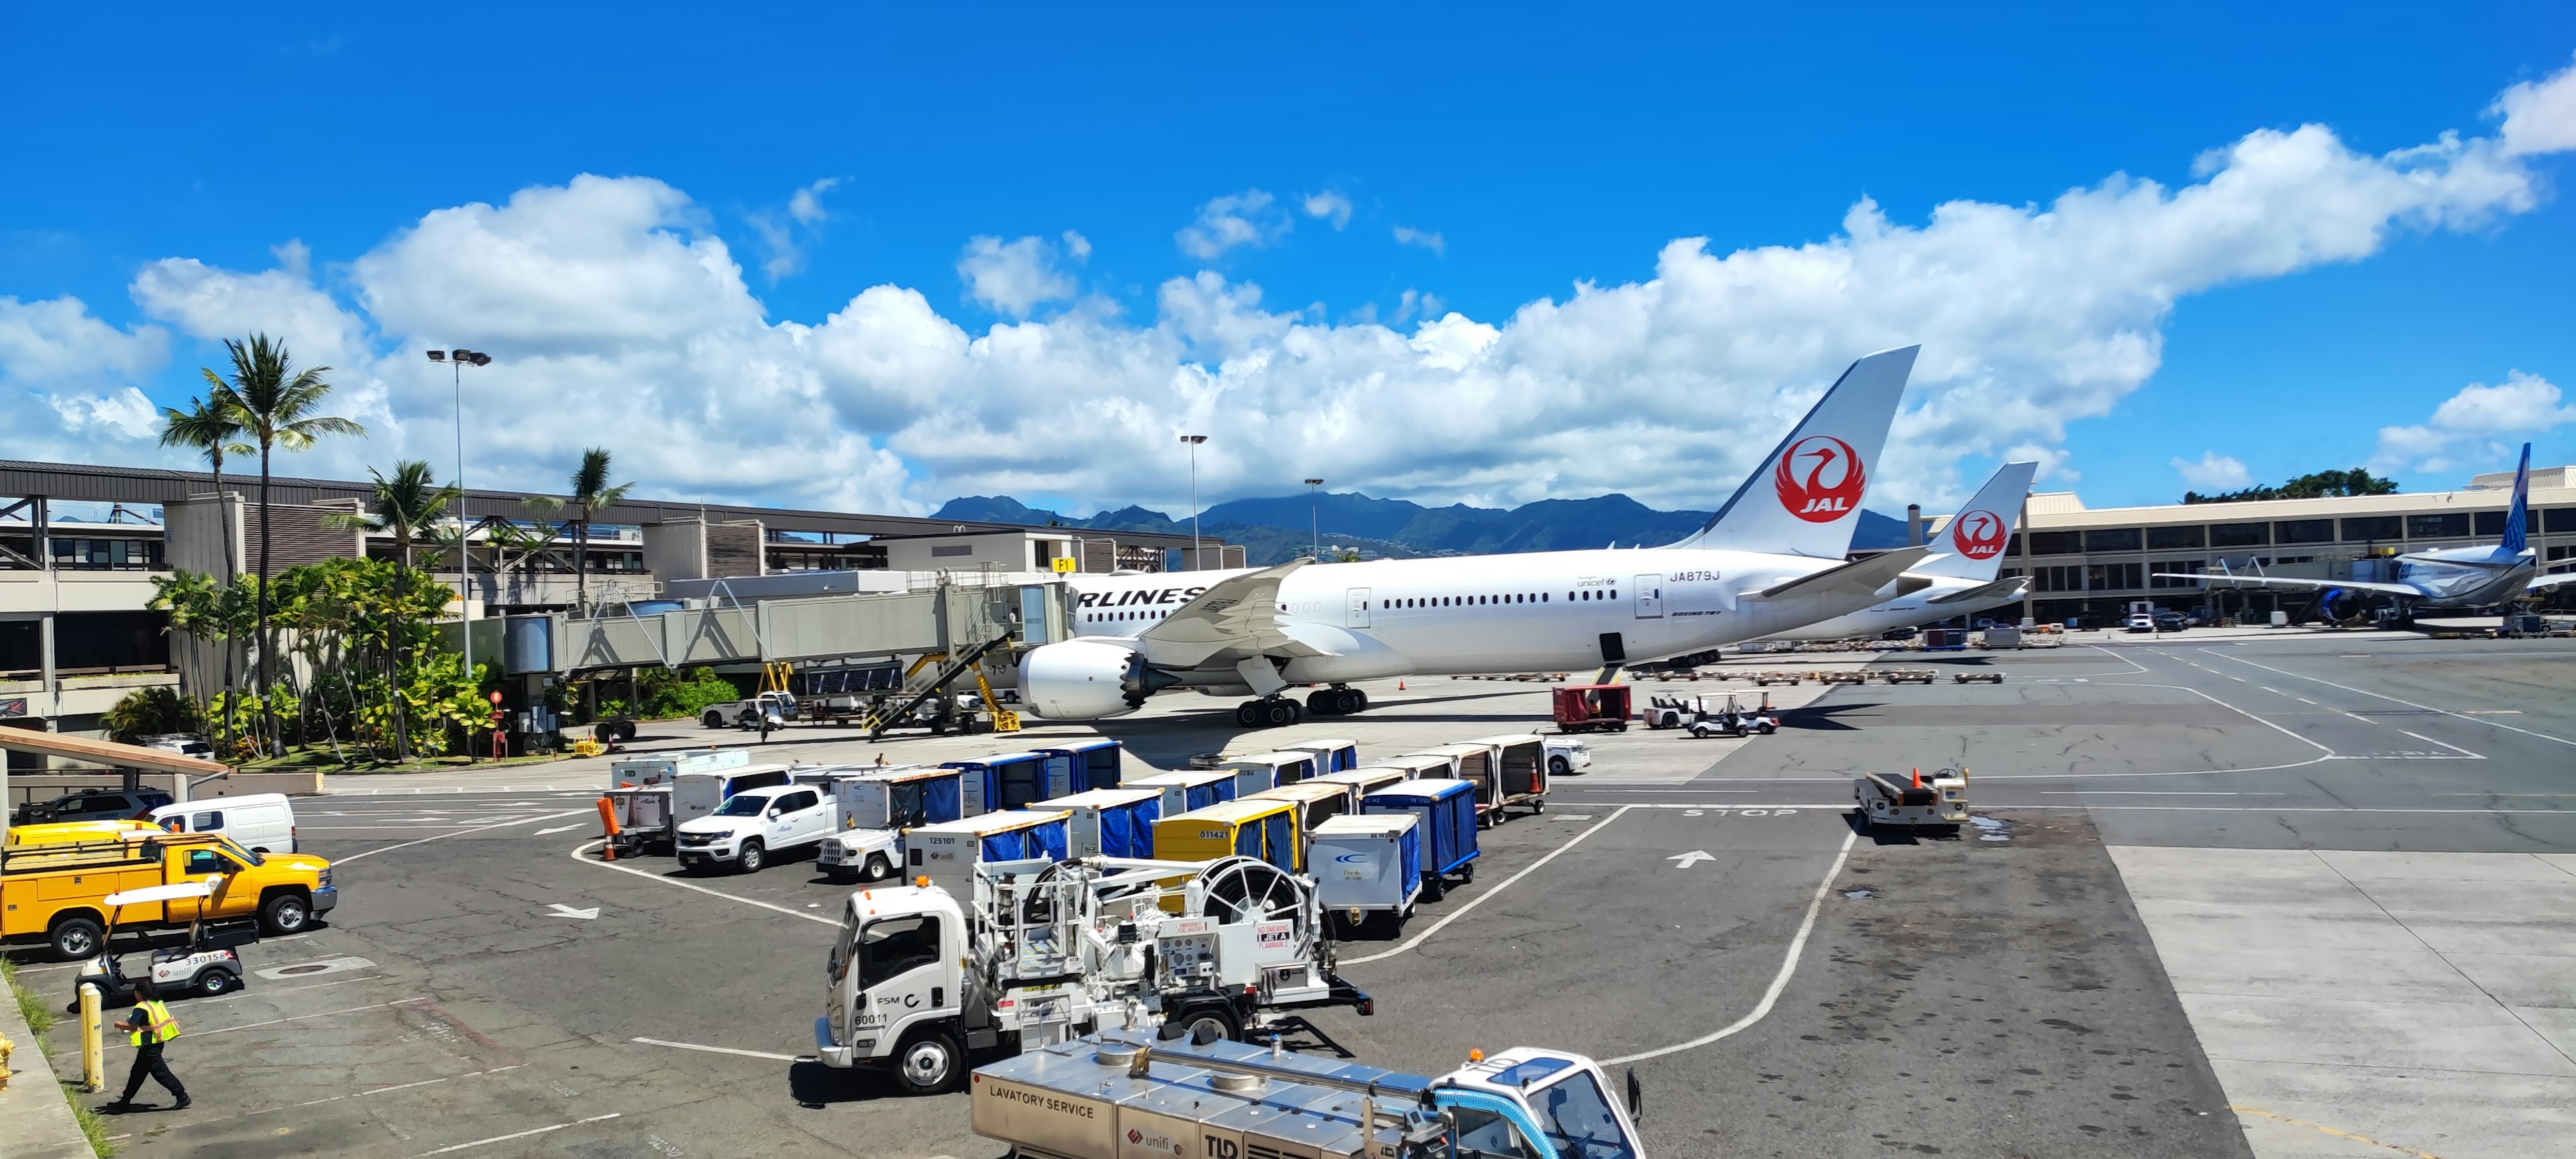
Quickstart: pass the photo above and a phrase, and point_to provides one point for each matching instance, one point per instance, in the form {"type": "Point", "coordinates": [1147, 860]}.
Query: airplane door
{"type": "Point", "coordinates": [1356, 614]}
{"type": "Point", "coordinates": [1650, 597]}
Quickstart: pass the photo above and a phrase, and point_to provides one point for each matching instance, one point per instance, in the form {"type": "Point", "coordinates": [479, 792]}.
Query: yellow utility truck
{"type": "Point", "coordinates": [57, 893]}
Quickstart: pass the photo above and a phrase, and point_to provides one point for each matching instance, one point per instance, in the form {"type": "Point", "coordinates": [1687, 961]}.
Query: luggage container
{"type": "Point", "coordinates": [1192, 789]}
{"type": "Point", "coordinates": [1364, 780]}
{"type": "Point", "coordinates": [1271, 769]}
{"type": "Point", "coordinates": [1446, 810]}
{"type": "Point", "coordinates": [1316, 801]}
{"type": "Point", "coordinates": [696, 794]}
{"type": "Point", "coordinates": [1019, 779]}
{"type": "Point", "coordinates": [662, 768]}
{"type": "Point", "coordinates": [1265, 830]}
{"type": "Point", "coordinates": [1093, 764]}
{"type": "Point", "coordinates": [1367, 869]}
{"type": "Point", "coordinates": [1474, 764]}
{"type": "Point", "coordinates": [1520, 769]}
{"type": "Point", "coordinates": [878, 805]}
{"type": "Point", "coordinates": [948, 852]}
{"type": "Point", "coordinates": [1591, 707]}
{"type": "Point", "coordinates": [1110, 822]}
{"type": "Point", "coordinates": [1331, 756]}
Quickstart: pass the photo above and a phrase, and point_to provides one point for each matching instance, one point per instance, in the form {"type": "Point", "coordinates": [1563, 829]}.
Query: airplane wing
{"type": "Point", "coordinates": [1860, 577]}
{"type": "Point", "coordinates": [2546, 582]}
{"type": "Point", "coordinates": [2295, 585]}
{"type": "Point", "coordinates": [1236, 618]}
{"type": "Point", "coordinates": [2005, 588]}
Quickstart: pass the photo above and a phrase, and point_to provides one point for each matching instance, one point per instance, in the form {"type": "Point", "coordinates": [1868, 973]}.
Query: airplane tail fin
{"type": "Point", "coordinates": [1972, 543]}
{"type": "Point", "coordinates": [2518, 515]}
{"type": "Point", "coordinates": [1805, 497]}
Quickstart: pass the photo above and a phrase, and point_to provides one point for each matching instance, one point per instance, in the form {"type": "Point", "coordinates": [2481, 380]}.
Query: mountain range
{"type": "Point", "coordinates": [1399, 528]}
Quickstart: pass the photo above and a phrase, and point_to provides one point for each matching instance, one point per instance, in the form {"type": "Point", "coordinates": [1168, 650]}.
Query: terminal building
{"type": "Point", "coordinates": [2089, 565]}
{"type": "Point", "coordinates": [81, 545]}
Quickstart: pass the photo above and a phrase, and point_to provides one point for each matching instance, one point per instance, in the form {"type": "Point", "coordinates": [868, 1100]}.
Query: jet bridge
{"type": "Point", "coordinates": [947, 617]}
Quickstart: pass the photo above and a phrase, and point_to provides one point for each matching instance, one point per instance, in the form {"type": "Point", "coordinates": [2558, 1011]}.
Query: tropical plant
{"type": "Point", "coordinates": [275, 403]}
{"type": "Point", "coordinates": [591, 494]}
{"type": "Point", "coordinates": [213, 429]}
{"type": "Point", "coordinates": [151, 712]}
{"type": "Point", "coordinates": [403, 506]}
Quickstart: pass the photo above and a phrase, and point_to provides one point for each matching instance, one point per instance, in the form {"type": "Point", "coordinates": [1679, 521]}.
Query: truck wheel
{"type": "Point", "coordinates": [1559, 767]}
{"type": "Point", "coordinates": [213, 982]}
{"type": "Point", "coordinates": [877, 869]}
{"type": "Point", "coordinates": [286, 913]}
{"type": "Point", "coordinates": [751, 858]}
{"type": "Point", "coordinates": [76, 938]}
{"type": "Point", "coordinates": [1216, 1017]}
{"type": "Point", "coordinates": [712, 720]}
{"type": "Point", "coordinates": [929, 1064]}
{"type": "Point", "coordinates": [626, 730]}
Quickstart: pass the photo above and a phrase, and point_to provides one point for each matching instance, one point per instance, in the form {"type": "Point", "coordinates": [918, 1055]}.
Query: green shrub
{"type": "Point", "coordinates": [152, 712]}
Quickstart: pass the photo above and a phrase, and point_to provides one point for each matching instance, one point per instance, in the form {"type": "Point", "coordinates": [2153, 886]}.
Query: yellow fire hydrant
{"type": "Point", "coordinates": [6, 1048]}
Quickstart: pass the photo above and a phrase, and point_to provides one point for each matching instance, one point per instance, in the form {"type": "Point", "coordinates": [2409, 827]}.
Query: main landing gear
{"type": "Point", "coordinates": [1275, 711]}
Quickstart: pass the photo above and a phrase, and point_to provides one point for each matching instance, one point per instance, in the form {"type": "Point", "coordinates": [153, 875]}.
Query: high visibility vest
{"type": "Point", "coordinates": [162, 1028]}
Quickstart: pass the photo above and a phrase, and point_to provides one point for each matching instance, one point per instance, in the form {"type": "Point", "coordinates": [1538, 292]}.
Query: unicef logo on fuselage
{"type": "Point", "coordinates": [1978, 534]}
{"type": "Point", "coordinates": [1820, 479]}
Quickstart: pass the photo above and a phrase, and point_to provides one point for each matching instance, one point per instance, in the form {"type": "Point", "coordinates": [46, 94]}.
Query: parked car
{"type": "Point", "coordinates": [1897, 634]}
{"type": "Point", "coordinates": [2171, 621]}
{"type": "Point", "coordinates": [2142, 622]}
{"type": "Point", "coordinates": [93, 805]}
{"type": "Point", "coordinates": [259, 822]}
{"type": "Point", "coordinates": [1567, 755]}
{"type": "Point", "coordinates": [750, 826]}
{"type": "Point", "coordinates": [184, 744]}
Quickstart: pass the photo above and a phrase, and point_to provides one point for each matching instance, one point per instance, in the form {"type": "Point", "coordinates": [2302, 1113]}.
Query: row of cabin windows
{"type": "Point", "coordinates": [1128, 617]}
{"type": "Point", "coordinates": [1483, 601]}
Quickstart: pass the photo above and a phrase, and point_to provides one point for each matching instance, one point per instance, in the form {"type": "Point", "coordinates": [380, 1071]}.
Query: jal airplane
{"type": "Point", "coordinates": [1768, 561]}
{"type": "Point", "coordinates": [2446, 579]}
{"type": "Point", "coordinates": [1960, 580]}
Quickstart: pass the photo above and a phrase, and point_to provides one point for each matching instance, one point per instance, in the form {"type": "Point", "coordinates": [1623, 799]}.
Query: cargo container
{"type": "Point", "coordinates": [1266, 830]}
{"type": "Point", "coordinates": [1192, 789]}
{"type": "Point", "coordinates": [948, 852]}
{"type": "Point", "coordinates": [878, 805]}
{"type": "Point", "coordinates": [1446, 810]}
{"type": "Point", "coordinates": [1271, 769]}
{"type": "Point", "coordinates": [1520, 770]}
{"type": "Point", "coordinates": [696, 794]}
{"type": "Point", "coordinates": [1110, 822]}
{"type": "Point", "coordinates": [653, 769]}
{"type": "Point", "coordinates": [1331, 756]}
{"type": "Point", "coordinates": [1315, 800]}
{"type": "Point", "coordinates": [1092, 764]}
{"type": "Point", "coordinates": [1364, 780]}
{"type": "Point", "coordinates": [1474, 764]}
{"type": "Point", "coordinates": [1017, 779]}
{"type": "Point", "coordinates": [1367, 868]}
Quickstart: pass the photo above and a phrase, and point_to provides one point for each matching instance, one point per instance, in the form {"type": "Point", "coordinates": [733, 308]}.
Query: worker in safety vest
{"type": "Point", "coordinates": [149, 1028]}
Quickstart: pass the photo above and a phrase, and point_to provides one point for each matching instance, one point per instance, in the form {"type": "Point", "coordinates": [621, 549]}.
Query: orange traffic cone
{"type": "Point", "coordinates": [1918, 778]}
{"type": "Point", "coordinates": [1399, 686]}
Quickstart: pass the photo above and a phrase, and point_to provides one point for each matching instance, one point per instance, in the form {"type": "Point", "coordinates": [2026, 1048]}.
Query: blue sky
{"type": "Point", "coordinates": [1522, 152]}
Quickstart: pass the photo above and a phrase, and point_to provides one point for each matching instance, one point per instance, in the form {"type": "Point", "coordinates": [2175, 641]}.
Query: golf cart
{"type": "Point", "coordinates": [1731, 720]}
{"type": "Point", "coordinates": [203, 966]}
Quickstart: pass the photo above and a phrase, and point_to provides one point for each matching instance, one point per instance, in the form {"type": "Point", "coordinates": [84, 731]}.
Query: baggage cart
{"type": "Point", "coordinates": [1110, 822]}
{"type": "Point", "coordinates": [1367, 869]}
{"type": "Point", "coordinates": [1520, 770]}
{"type": "Point", "coordinates": [1446, 811]}
{"type": "Point", "coordinates": [1591, 707]}
{"type": "Point", "coordinates": [1908, 802]}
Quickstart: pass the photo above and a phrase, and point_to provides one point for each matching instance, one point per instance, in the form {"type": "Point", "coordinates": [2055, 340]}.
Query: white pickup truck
{"type": "Point", "coordinates": [1566, 755]}
{"type": "Point", "coordinates": [753, 825]}
{"type": "Point", "coordinates": [747, 713]}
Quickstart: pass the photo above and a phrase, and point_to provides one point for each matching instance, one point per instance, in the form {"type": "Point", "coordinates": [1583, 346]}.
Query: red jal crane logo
{"type": "Point", "coordinates": [1833, 483]}
{"type": "Point", "coordinates": [1978, 534]}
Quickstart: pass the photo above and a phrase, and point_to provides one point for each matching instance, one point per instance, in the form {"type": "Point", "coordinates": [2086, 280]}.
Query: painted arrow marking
{"type": "Point", "coordinates": [1687, 860]}
{"type": "Point", "coordinates": [592, 914]}
{"type": "Point", "coordinates": [559, 829]}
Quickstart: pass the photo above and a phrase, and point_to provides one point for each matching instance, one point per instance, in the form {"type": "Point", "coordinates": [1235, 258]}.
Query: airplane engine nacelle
{"type": "Point", "coordinates": [1087, 680]}
{"type": "Point", "coordinates": [2337, 605]}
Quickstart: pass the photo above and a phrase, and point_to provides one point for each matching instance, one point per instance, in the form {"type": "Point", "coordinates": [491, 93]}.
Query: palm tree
{"type": "Point", "coordinates": [591, 494]}
{"type": "Point", "coordinates": [275, 403]}
{"type": "Point", "coordinates": [213, 429]}
{"type": "Point", "coordinates": [404, 505]}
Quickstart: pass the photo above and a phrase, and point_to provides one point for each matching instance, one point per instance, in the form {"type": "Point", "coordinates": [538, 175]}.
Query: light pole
{"type": "Point", "coordinates": [458, 360]}
{"type": "Point", "coordinates": [1196, 561]}
{"type": "Point", "coordinates": [1314, 522]}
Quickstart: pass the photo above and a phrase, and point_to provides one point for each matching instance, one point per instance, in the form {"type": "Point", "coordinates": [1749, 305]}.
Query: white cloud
{"type": "Point", "coordinates": [1425, 239]}
{"type": "Point", "coordinates": [2466, 426]}
{"type": "Point", "coordinates": [1331, 206]}
{"type": "Point", "coordinates": [1013, 277]}
{"type": "Point", "coordinates": [60, 373]}
{"type": "Point", "coordinates": [2539, 117]}
{"type": "Point", "coordinates": [1236, 219]}
{"type": "Point", "coordinates": [2214, 472]}
{"type": "Point", "coordinates": [617, 319]}
{"type": "Point", "coordinates": [786, 241]}
{"type": "Point", "coordinates": [57, 340]}
{"type": "Point", "coordinates": [124, 414]}
{"type": "Point", "coordinates": [1077, 245]}
{"type": "Point", "coordinates": [806, 205]}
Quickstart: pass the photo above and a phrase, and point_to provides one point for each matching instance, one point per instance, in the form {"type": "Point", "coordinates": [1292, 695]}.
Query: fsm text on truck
{"type": "Point", "coordinates": [1095, 764]}
{"type": "Point", "coordinates": [1366, 868]}
{"type": "Point", "coordinates": [1192, 789]}
{"type": "Point", "coordinates": [1018, 779]}
{"type": "Point", "coordinates": [1265, 830]}
{"type": "Point", "coordinates": [947, 853]}
{"type": "Point", "coordinates": [1042, 950]}
{"type": "Point", "coordinates": [1109, 822]}
{"type": "Point", "coordinates": [877, 806]}
{"type": "Point", "coordinates": [1126, 1095]}
{"type": "Point", "coordinates": [1446, 810]}
{"type": "Point", "coordinates": [1271, 769]}
{"type": "Point", "coordinates": [1331, 756]}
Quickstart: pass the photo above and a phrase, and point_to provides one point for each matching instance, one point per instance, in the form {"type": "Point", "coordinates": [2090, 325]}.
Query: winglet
{"type": "Point", "coordinates": [2518, 515]}
{"type": "Point", "coordinates": [1805, 497]}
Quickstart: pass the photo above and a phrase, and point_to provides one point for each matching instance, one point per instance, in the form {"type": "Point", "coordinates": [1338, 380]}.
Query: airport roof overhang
{"type": "Point", "coordinates": [108, 753]}
{"type": "Point", "coordinates": [98, 484]}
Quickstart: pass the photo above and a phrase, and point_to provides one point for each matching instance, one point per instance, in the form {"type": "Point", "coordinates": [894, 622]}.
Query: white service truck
{"type": "Point", "coordinates": [877, 806]}
{"type": "Point", "coordinates": [1127, 1095]}
{"type": "Point", "coordinates": [1885, 800]}
{"type": "Point", "coordinates": [753, 825]}
{"type": "Point", "coordinates": [1043, 950]}
{"type": "Point", "coordinates": [747, 713]}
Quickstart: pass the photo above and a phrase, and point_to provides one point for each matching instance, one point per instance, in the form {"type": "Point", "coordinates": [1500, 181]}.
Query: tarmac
{"type": "Point", "coordinates": [2230, 894]}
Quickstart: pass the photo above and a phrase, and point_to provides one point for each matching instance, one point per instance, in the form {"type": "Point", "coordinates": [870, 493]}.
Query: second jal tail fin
{"type": "Point", "coordinates": [1972, 544]}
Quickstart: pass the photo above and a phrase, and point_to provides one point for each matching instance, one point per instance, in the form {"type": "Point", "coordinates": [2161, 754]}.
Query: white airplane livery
{"type": "Point", "coordinates": [1768, 561]}
{"type": "Point", "coordinates": [2455, 578]}
{"type": "Point", "coordinates": [1959, 580]}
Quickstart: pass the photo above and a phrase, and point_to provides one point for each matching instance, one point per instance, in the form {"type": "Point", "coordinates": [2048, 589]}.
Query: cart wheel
{"type": "Point", "coordinates": [1538, 806]}
{"type": "Point", "coordinates": [1435, 887]}
{"type": "Point", "coordinates": [214, 982]}
{"type": "Point", "coordinates": [1467, 873]}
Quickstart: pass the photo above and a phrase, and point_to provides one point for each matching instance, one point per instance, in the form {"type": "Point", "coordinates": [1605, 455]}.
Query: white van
{"type": "Point", "coordinates": [259, 822]}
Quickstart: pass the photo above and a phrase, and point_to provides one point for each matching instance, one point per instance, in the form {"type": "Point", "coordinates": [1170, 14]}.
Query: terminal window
{"type": "Point", "coordinates": [2432, 526]}
{"type": "Point", "coordinates": [2112, 577]}
{"type": "Point", "coordinates": [2111, 539]}
{"type": "Point", "coordinates": [2366, 528]}
{"type": "Point", "coordinates": [2055, 543]}
{"type": "Point", "coordinates": [2489, 522]}
{"type": "Point", "coordinates": [2560, 520]}
{"type": "Point", "coordinates": [2304, 531]}
{"type": "Point", "coordinates": [2240, 535]}
{"type": "Point", "coordinates": [2161, 538]}
{"type": "Point", "coordinates": [2069, 578]}
{"type": "Point", "coordinates": [2176, 566]}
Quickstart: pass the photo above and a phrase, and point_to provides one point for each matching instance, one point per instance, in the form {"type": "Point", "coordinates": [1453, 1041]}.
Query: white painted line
{"type": "Point", "coordinates": [717, 1049]}
{"type": "Point", "coordinates": [2443, 743]}
{"type": "Point", "coordinates": [555, 830]}
{"type": "Point", "coordinates": [2149, 793]}
{"type": "Point", "coordinates": [578, 850]}
{"type": "Point", "coordinates": [458, 833]}
{"type": "Point", "coordinates": [1779, 981]}
{"type": "Point", "coordinates": [525, 1134]}
{"type": "Point", "coordinates": [2272, 690]}
{"type": "Point", "coordinates": [309, 1017]}
{"type": "Point", "coordinates": [2304, 700]}
{"type": "Point", "coordinates": [1481, 898]}
{"type": "Point", "coordinates": [2407, 703]}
